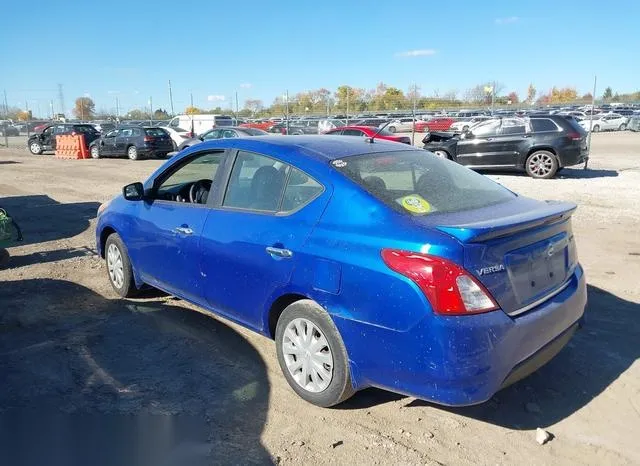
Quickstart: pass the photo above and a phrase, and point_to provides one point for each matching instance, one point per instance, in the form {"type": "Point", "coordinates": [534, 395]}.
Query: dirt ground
{"type": "Point", "coordinates": [86, 378]}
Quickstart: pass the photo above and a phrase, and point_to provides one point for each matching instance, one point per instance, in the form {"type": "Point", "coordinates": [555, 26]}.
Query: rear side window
{"type": "Point", "coordinates": [155, 132]}
{"type": "Point", "coordinates": [352, 132]}
{"type": "Point", "coordinates": [416, 183]}
{"type": "Point", "coordinates": [300, 190]}
{"type": "Point", "coordinates": [543, 124]}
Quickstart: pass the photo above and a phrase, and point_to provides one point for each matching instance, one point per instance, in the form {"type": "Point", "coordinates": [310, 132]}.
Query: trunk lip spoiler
{"type": "Point", "coordinates": [485, 230]}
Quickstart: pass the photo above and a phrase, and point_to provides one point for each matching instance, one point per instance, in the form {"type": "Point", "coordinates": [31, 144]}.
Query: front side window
{"type": "Point", "coordinates": [125, 133]}
{"type": "Point", "coordinates": [213, 134]}
{"type": "Point", "coordinates": [228, 133]}
{"type": "Point", "coordinates": [415, 184]}
{"type": "Point", "coordinates": [513, 126]}
{"type": "Point", "coordinates": [192, 181]}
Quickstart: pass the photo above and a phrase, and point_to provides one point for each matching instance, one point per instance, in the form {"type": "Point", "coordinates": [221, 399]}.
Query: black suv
{"type": "Point", "coordinates": [539, 145]}
{"type": "Point", "coordinates": [46, 140]}
{"type": "Point", "coordinates": [134, 142]}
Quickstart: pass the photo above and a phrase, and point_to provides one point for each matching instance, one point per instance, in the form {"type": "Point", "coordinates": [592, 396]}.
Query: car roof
{"type": "Point", "coordinates": [319, 148]}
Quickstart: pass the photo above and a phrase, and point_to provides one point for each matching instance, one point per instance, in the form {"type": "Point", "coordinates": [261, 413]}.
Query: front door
{"type": "Point", "coordinates": [108, 142]}
{"type": "Point", "coordinates": [513, 139]}
{"type": "Point", "coordinates": [165, 247]}
{"type": "Point", "coordinates": [480, 147]}
{"type": "Point", "coordinates": [122, 140]}
{"type": "Point", "coordinates": [254, 240]}
{"type": "Point", "coordinates": [47, 138]}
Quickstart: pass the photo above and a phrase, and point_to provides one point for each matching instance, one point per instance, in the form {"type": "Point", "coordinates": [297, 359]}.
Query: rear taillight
{"type": "Point", "coordinates": [450, 289]}
{"type": "Point", "coordinates": [148, 139]}
{"type": "Point", "coordinates": [574, 136]}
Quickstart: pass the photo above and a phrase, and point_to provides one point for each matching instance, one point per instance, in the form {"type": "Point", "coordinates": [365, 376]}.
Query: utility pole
{"type": "Point", "coordinates": [236, 106]}
{"type": "Point", "coordinates": [287, 104]}
{"type": "Point", "coordinates": [193, 133]}
{"type": "Point", "coordinates": [171, 98]}
{"type": "Point", "coordinates": [6, 106]}
{"type": "Point", "coordinates": [593, 106]}
{"type": "Point", "coordinates": [347, 105]}
{"type": "Point", "coordinates": [51, 107]}
{"type": "Point", "coordinates": [61, 98]}
{"type": "Point", "coordinates": [413, 126]}
{"type": "Point", "coordinates": [117, 109]}
{"type": "Point", "coordinates": [150, 111]}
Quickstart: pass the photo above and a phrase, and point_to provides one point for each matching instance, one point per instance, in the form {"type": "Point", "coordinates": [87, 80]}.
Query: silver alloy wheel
{"type": "Point", "coordinates": [115, 266]}
{"type": "Point", "coordinates": [622, 127]}
{"type": "Point", "coordinates": [540, 164]}
{"type": "Point", "coordinates": [132, 152]}
{"type": "Point", "coordinates": [35, 148]}
{"type": "Point", "coordinates": [442, 154]}
{"type": "Point", "coordinates": [596, 128]}
{"type": "Point", "coordinates": [307, 355]}
{"type": "Point", "coordinates": [95, 152]}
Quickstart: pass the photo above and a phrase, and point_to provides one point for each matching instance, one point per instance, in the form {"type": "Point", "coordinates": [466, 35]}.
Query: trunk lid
{"type": "Point", "coordinates": [521, 251]}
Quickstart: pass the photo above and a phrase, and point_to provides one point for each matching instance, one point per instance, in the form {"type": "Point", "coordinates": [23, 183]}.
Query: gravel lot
{"type": "Point", "coordinates": [91, 379]}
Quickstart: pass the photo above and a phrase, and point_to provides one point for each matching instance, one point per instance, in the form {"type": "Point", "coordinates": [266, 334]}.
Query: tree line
{"type": "Point", "coordinates": [354, 100]}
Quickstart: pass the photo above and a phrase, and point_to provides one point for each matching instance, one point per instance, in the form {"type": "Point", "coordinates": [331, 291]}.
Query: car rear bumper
{"type": "Point", "coordinates": [573, 156]}
{"type": "Point", "coordinates": [464, 360]}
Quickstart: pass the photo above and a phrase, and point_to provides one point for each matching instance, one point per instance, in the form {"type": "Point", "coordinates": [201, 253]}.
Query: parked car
{"type": "Point", "coordinates": [369, 264]}
{"type": "Point", "coordinates": [401, 125]}
{"type": "Point", "coordinates": [464, 124]}
{"type": "Point", "coordinates": [263, 125]}
{"type": "Point", "coordinates": [331, 123]}
{"type": "Point", "coordinates": [368, 132]}
{"type": "Point", "coordinates": [45, 140]}
{"type": "Point", "coordinates": [198, 124]}
{"type": "Point", "coordinates": [223, 133]}
{"type": "Point", "coordinates": [177, 135]}
{"type": "Point", "coordinates": [634, 123]}
{"type": "Point", "coordinates": [104, 127]}
{"type": "Point", "coordinates": [435, 124]}
{"type": "Point", "coordinates": [368, 122]}
{"type": "Point", "coordinates": [605, 122]}
{"type": "Point", "coordinates": [7, 129]}
{"type": "Point", "coordinates": [305, 126]}
{"type": "Point", "coordinates": [133, 142]}
{"type": "Point", "coordinates": [538, 145]}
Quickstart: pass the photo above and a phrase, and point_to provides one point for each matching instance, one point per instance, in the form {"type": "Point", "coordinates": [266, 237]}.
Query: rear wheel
{"type": "Point", "coordinates": [596, 128]}
{"type": "Point", "coordinates": [392, 129]}
{"type": "Point", "coordinates": [541, 164]}
{"type": "Point", "coordinates": [132, 153]}
{"type": "Point", "coordinates": [312, 355]}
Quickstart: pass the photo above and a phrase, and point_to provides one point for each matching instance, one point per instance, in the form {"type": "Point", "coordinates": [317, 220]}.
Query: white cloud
{"type": "Point", "coordinates": [416, 53]}
{"type": "Point", "coordinates": [215, 98]}
{"type": "Point", "coordinates": [113, 92]}
{"type": "Point", "coordinates": [509, 20]}
{"type": "Point", "coordinates": [246, 85]}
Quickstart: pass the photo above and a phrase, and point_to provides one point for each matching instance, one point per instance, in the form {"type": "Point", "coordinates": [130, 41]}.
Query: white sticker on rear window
{"type": "Point", "coordinates": [339, 163]}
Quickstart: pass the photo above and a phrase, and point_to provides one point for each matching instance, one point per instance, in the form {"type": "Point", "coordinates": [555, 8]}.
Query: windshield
{"type": "Point", "coordinates": [419, 183]}
{"type": "Point", "coordinates": [156, 132]}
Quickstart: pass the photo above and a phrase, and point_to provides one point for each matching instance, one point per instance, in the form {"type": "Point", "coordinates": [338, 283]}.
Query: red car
{"type": "Point", "coordinates": [436, 124]}
{"type": "Point", "coordinates": [263, 125]}
{"type": "Point", "coordinates": [368, 131]}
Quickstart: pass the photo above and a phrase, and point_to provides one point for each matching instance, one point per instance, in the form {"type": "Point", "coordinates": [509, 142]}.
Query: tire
{"type": "Point", "coordinates": [35, 148]}
{"type": "Point", "coordinates": [322, 390]}
{"type": "Point", "coordinates": [120, 272]}
{"type": "Point", "coordinates": [95, 152]}
{"type": "Point", "coordinates": [132, 153]}
{"type": "Point", "coordinates": [596, 129]}
{"type": "Point", "coordinates": [541, 164]}
{"type": "Point", "coordinates": [443, 154]}
{"type": "Point", "coordinates": [465, 128]}
{"type": "Point", "coordinates": [622, 127]}
{"type": "Point", "coordinates": [392, 129]}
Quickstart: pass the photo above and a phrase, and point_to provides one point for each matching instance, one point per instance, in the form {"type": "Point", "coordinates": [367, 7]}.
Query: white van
{"type": "Point", "coordinates": [200, 123]}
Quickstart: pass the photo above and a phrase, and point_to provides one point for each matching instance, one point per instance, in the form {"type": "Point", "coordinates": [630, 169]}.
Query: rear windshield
{"type": "Point", "coordinates": [85, 129]}
{"type": "Point", "coordinates": [254, 131]}
{"type": "Point", "coordinates": [419, 183]}
{"type": "Point", "coordinates": [155, 132]}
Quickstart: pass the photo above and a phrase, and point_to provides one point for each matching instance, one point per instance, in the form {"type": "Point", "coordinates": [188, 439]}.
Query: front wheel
{"type": "Point", "coordinates": [312, 355]}
{"type": "Point", "coordinates": [541, 164]}
{"type": "Point", "coordinates": [132, 153]}
{"type": "Point", "coordinates": [119, 267]}
{"type": "Point", "coordinates": [392, 129]}
{"type": "Point", "coordinates": [35, 148]}
{"type": "Point", "coordinates": [95, 152]}
{"type": "Point", "coordinates": [596, 129]}
{"type": "Point", "coordinates": [443, 154]}
{"type": "Point", "coordinates": [622, 127]}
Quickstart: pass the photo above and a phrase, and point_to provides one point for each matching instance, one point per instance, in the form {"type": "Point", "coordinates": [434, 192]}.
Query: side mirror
{"type": "Point", "coordinates": [133, 192]}
{"type": "Point", "coordinates": [468, 135]}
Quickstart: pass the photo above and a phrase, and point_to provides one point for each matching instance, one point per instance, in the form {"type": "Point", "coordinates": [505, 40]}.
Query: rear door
{"type": "Point", "coordinates": [254, 240]}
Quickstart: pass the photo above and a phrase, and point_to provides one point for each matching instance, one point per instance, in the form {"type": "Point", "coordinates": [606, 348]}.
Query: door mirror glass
{"type": "Point", "coordinates": [133, 192]}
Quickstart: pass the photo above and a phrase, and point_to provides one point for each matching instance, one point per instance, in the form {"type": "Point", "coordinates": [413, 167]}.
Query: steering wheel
{"type": "Point", "coordinates": [199, 191]}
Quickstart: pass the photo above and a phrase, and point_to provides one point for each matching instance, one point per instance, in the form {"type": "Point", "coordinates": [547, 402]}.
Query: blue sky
{"type": "Point", "coordinates": [130, 49]}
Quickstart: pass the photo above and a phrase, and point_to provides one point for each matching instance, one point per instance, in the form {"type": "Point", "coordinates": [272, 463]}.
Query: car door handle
{"type": "Point", "coordinates": [489, 139]}
{"type": "Point", "coordinates": [280, 252]}
{"type": "Point", "coordinates": [183, 230]}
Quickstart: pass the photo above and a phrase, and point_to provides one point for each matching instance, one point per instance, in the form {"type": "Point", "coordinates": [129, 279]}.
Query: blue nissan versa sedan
{"type": "Point", "coordinates": [369, 263]}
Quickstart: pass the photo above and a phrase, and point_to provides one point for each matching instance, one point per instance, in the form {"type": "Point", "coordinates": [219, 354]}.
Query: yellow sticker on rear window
{"type": "Point", "coordinates": [416, 204]}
